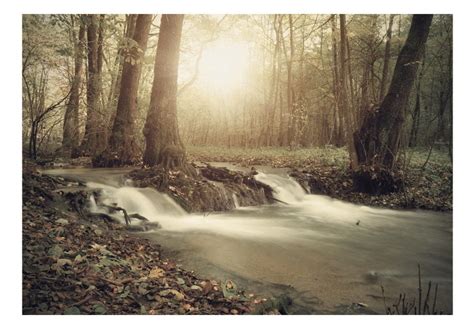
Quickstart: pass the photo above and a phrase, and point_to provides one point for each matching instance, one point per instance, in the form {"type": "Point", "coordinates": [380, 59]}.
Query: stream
{"type": "Point", "coordinates": [327, 255]}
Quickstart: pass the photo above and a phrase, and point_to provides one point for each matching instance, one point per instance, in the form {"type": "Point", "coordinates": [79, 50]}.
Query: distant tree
{"type": "Point", "coordinates": [45, 84]}
{"type": "Point", "coordinates": [122, 148]}
{"type": "Point", "coordinates": [163, 143]}
{"type": "Point", "coordinates": [378, 139]}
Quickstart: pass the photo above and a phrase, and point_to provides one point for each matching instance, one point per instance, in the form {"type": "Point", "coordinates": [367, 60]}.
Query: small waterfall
{"type": "Point", "coordinates": [93, 204]}
{"type": "Point", "coordinates": [153, 205]}
{"type": "Point", "coordinates": [236, 201]}
{"type": "Point", "coordinates": [285, 188]}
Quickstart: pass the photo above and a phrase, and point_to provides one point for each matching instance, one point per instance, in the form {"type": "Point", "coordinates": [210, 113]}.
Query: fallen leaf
{"type": "Point", "coordinates": [176, 293]}
{"type": "Point", "coordinates": [55, 251]}
{"type": "Point", "coordinates": [99, 309]}
{"type": "Point", "coordinates": [72, 311]}
{"type": "Point", "coordinates": [156, 273]}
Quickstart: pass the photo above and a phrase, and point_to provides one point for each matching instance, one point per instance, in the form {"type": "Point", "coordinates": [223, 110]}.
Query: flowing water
{"type": "Point", "coordinates": [326, 254]}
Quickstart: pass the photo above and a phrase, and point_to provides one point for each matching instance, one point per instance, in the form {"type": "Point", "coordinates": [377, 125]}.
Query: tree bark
{"type": "Point", "coordinates": [378, 139]}
{"type": "Point", "coordinates": [163, 143]}
{"type": "Point", "coordinates": [71, 115]}
{"type": "Point", "coordinates": [122, 149]}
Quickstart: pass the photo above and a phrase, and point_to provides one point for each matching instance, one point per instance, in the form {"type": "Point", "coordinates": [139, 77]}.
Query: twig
{"type": "Point", "coordinates": [419, 289]}
{"type": "Point", "coordinates": [426, 306]}
{"type": "Point", "coordinates": [82, 301]}
{"type": "Point", "coordinates": [433, 311]}
{"type": "Point", "coordinates": [387, 309]}
{"type": "Point", "coordinates": [277, 200]}
{"type": "Point", "coordinates": [427, 158]}
{"type": "Point", "coordinates": [138, 216]}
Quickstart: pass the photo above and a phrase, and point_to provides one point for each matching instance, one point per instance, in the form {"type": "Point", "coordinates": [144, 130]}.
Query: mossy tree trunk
{"type": "Point", "coordinates": [162, 139]}
{"type": "Point", "coordinates": [378, 140]}
{"type": "Point", "coordinates": [122, 148]}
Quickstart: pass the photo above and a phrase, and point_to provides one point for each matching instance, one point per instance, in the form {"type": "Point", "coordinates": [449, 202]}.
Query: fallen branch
{"type": "Point", "coordinates": [140, 217]}
{"type": "Point", "coordinates": [115, 209]}
{"type": "Point", "coordinates": [82, 301]}
{"type": "Point", "coordinates": [277, 200]}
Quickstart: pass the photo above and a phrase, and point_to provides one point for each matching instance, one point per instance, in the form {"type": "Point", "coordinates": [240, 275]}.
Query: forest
{"type": "Point", "coordinates": [158, 147]}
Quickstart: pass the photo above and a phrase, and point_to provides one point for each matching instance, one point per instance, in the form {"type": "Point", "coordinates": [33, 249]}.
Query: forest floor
{"type": "Point", "coordinates": [77, 266]}
{"type": "Point", "coordinates": [428, 177]}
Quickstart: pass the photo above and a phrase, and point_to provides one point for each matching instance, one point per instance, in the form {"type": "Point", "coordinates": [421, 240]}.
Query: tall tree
{"type": "Point", "coordinates": [162, 139]}
{"type": "Point", "coordinates": [123, 149]}
{"type": "Point", "coordinates": [92, 137]}
{"type": "Point", "coordinates": [290, 92]}
{"type": "Point", "coordinates": [343, 95]}
{"type": "Point", "coordinates": [122, 52]}
{"type": "Point", "coordinates": [71, 115]}
{"type": "Point", "coordinates": [338, 113]}
{"type": "Point", "coordinates": [386, 60]}
{"type": "Point", "coordinates": [417, 110]}
{"type": "Point", "coordinates": [378, 139]}
{"type": "Point", "coordinates": [271, 100]}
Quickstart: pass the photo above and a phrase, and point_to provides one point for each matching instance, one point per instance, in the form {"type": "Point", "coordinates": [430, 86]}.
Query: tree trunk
{"type": "Point", "coordinates": [417, 110]}
{"type": "Point", "coordinates": [71, 115]}
{"type": "Point", "coordinates": [91, 141]}
{"type": "Point", "coordinates": [378, 139]}
{"type": "Point", "coordinates": [114, 91]}
{"type": "Point", "coordinates": [163, 143]}
{"type": "Point", "coordinates": [415, 119]}
{"type": "Point", "coordinates": [270, 102]}
{"type": "Point", "coordinates": [123, 149]}
{"type": "Point", "coordinates": [343, 97]}
{"type": "Point", "coordinates": [338, 114]}
{"type": "Point", "coordinates": [290, 92]}
{"type": "Point", "coordinates": [386, 60]}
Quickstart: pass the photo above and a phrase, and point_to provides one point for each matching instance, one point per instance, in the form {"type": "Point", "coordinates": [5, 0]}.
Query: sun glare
{"type": "Point", "coordinates": [224, 65]}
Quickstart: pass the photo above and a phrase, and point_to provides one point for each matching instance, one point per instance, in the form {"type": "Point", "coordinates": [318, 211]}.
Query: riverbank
{"type": "Point", "coordinates": [428, 176]}
{"type": "Point", "coordinates": [76, 266]}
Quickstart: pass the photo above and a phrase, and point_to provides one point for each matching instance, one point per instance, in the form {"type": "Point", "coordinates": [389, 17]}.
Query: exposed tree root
{"type": "Point", "coordinates": [205, 188]}
{"type": "Point", "coordinates": [376, 180]}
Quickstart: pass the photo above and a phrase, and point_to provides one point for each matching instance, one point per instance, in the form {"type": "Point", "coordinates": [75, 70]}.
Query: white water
{"type": "Point", "coordinates": [155, 206]}
{"type": "Point", "coordinates": [312, 242]}
{"type": "Point", "coordinates": [285, 188]}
